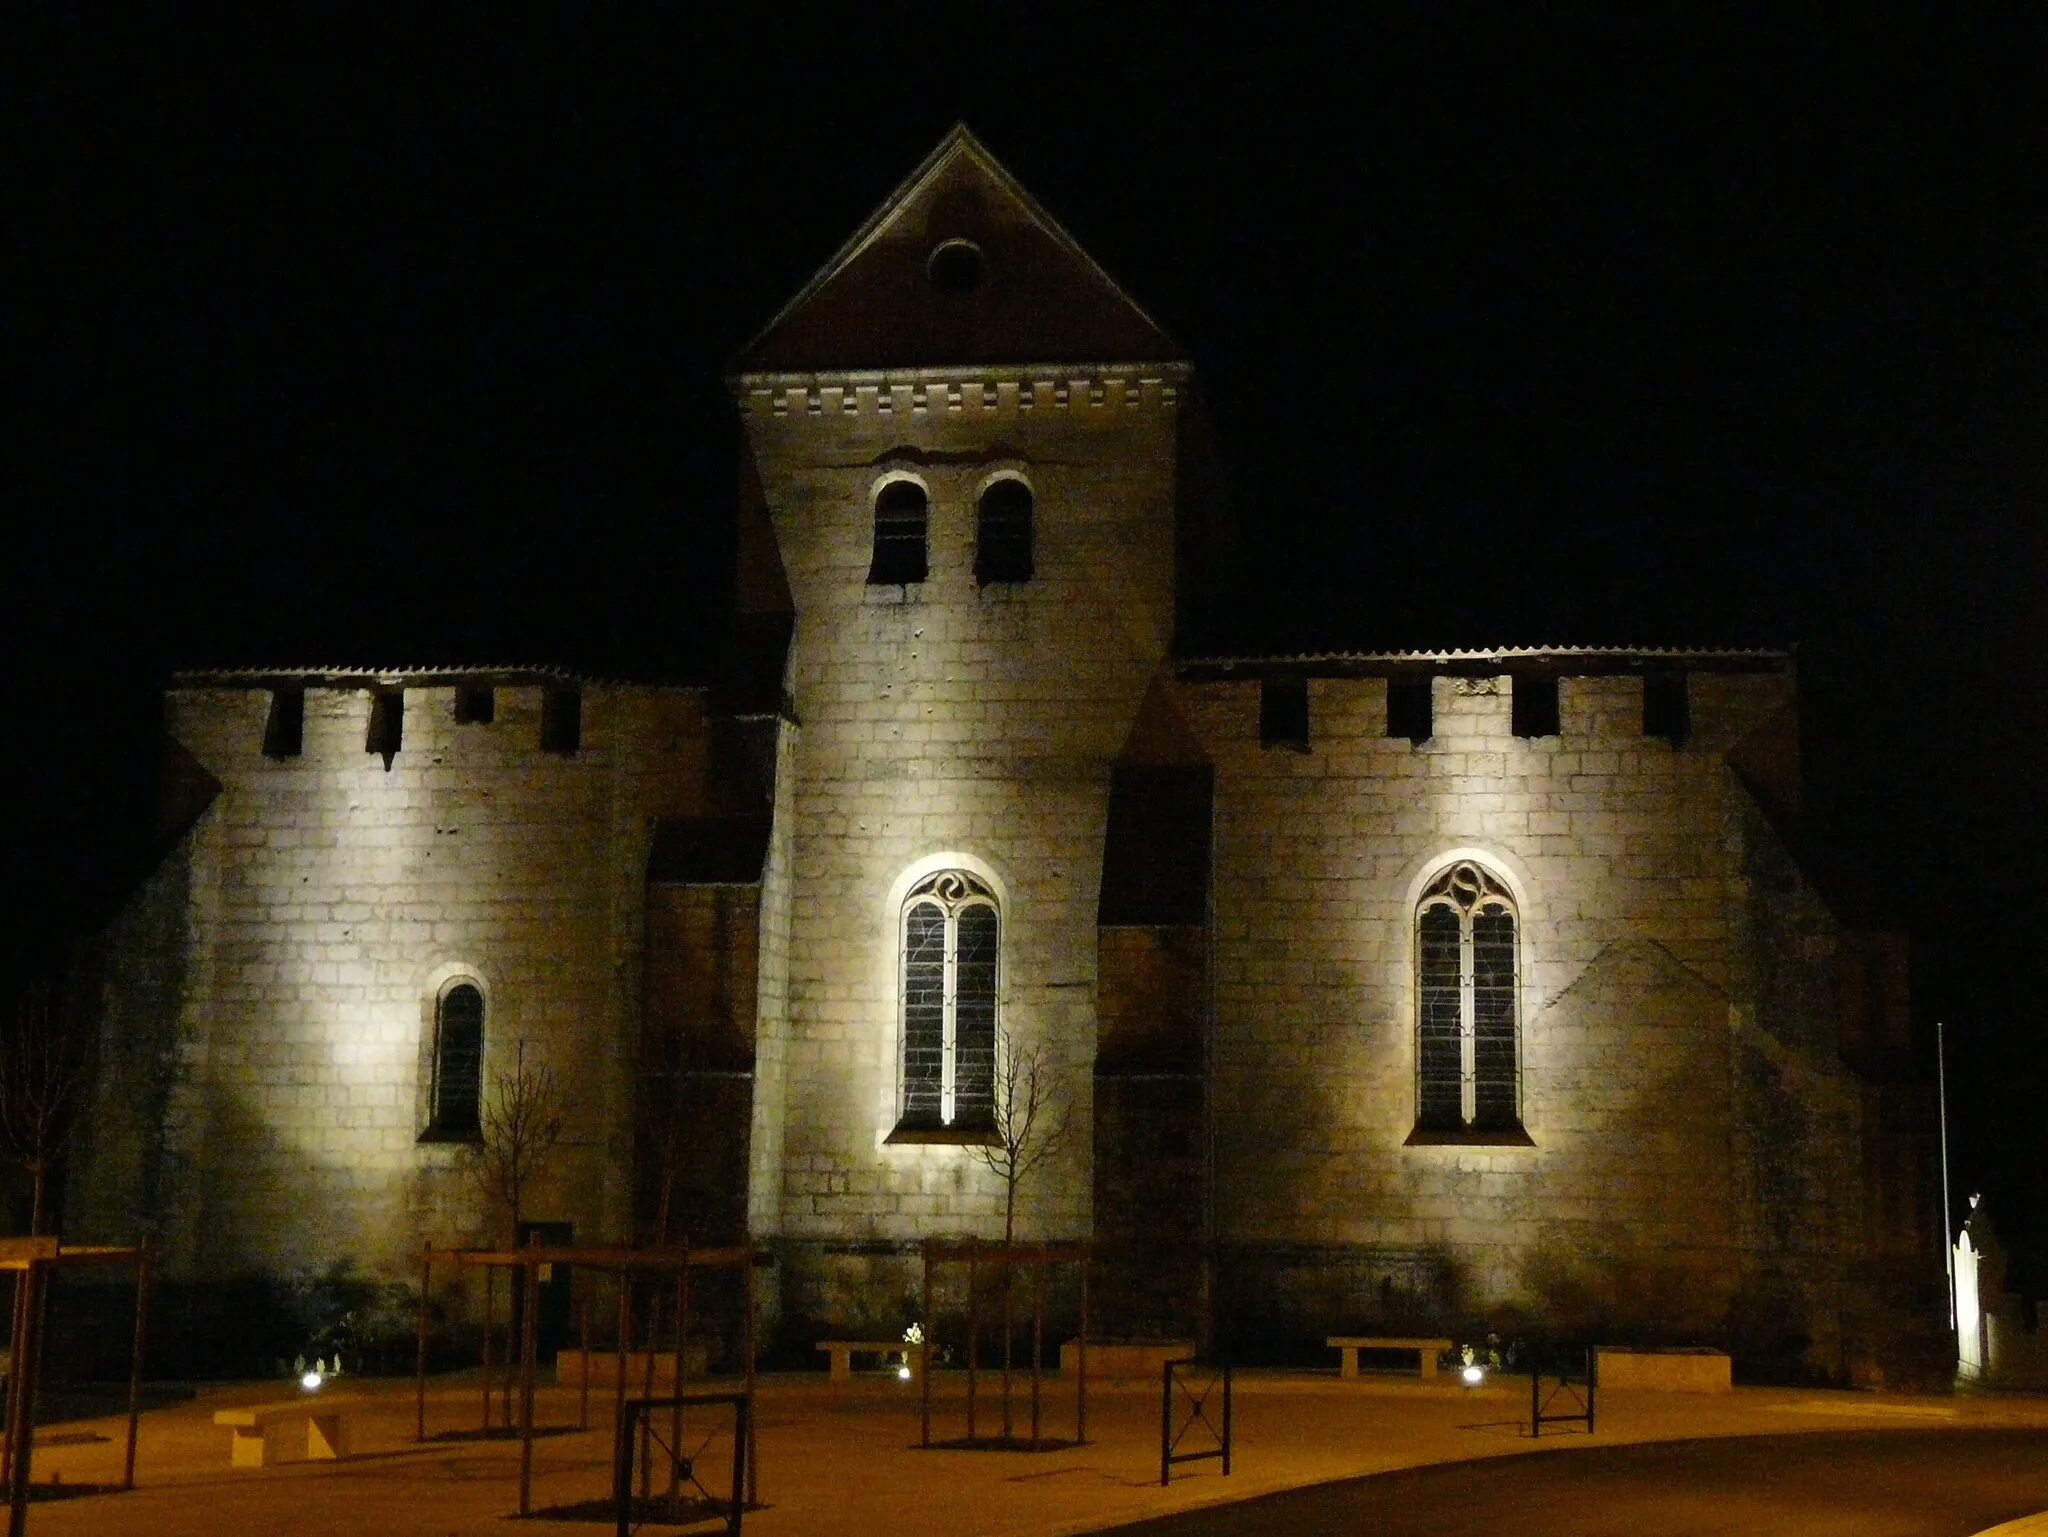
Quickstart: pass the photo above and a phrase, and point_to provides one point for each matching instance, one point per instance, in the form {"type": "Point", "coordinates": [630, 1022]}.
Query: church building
{"type": "Point", "coordinates": [1461, 988]}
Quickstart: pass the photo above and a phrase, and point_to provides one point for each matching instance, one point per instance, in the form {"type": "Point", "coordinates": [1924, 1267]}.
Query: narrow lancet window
{"type": "Point", "coordinates": [1467, 1020]}
{"type": "Point", "coordinates": [951, 960]}
{"type": "Point", "coordinates": [458, 1063]}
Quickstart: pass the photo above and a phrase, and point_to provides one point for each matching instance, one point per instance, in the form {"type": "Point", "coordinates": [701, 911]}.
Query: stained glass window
{"type": "Point", "coordinates": [951, 959]}
{"type": "Point", "coordinates": [1467, 1014]}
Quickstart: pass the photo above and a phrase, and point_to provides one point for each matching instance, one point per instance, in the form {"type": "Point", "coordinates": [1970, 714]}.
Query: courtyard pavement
{"type": "Point", "coordinates": [845, 1460]}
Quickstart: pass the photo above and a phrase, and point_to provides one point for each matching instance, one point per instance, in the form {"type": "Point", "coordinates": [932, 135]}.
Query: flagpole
{"type": "Point", "coordinates": [1948, 1236]}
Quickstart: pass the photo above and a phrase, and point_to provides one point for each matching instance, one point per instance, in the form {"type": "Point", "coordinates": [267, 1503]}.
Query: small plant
{"type": "Point", "coordinates": [522, 1121]}
{"type": "Point", "coordinates": [1028, 1128]}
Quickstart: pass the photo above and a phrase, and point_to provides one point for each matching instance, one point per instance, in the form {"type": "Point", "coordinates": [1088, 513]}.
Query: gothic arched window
{"type": "Point", "coordinates": [458, 1062]}
{"type": "Point", "coordinates": [951, 943]}
{"type": "Point", "coordinates": [902, 512]}
{"type": "Point", "coordinates": [1467, 1005]}
{"type": "Point", "coordinates": [1002, 533]}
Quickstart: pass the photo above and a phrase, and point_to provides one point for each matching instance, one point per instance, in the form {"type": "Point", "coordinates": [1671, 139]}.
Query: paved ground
{"type": "Point", "coordinates": [845, 1464]}
{"type": "Point", "coordinates": [1870, 1484]}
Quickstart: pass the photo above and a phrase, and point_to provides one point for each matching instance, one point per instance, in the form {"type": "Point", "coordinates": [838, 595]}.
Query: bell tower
{"type": "Point", "coordinates": [966, 441]}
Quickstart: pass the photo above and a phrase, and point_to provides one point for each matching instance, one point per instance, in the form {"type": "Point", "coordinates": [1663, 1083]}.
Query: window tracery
{"type": "Point", "coordinates": [951, 934]}
{"type": "Point", "coordinates": [1467, 1027]}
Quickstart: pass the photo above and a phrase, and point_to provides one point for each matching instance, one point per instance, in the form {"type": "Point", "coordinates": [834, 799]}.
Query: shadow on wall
{"type": "Point", "coordinates": [1617, 1299]}
{"type": "Point", "coordinates": [1276, 1302]}
{"type": "Point", "coordinates": [237, 1327]}
{"type": "Point", "coordinates": [874, 1291]}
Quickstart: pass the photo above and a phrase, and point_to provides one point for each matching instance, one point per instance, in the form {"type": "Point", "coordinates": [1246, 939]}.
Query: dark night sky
{"type": "Point", "coordinates": [380, 344]}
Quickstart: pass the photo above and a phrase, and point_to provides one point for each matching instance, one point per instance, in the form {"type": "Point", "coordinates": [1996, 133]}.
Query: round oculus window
{"type": "Point", "coordinates": [955, 266]}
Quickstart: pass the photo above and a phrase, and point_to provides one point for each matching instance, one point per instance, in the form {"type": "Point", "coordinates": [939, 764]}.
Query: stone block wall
{"type": "Point", "coordinates": [325, 900]}
{"type": "Point", "coordinates": [945, 723]}
{"type": "Point", "coordinates": [1637, 1201]}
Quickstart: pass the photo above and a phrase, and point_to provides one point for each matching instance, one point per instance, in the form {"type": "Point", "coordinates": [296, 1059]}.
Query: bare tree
{"type": "Point", "coordinates": [1029, 1127]}
{"type": "Point", "coordinates": [45, 1071]}
{"type": "Point", "coordinates": [522, 1122]}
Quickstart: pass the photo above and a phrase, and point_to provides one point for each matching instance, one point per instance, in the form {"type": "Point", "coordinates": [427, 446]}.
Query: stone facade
{"type": "Point", "coordinates": [695, 914]}
{"type": "Point", "coordinates": [322, 902]}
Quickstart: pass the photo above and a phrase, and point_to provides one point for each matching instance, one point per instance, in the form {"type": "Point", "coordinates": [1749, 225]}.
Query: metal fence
{"type": "Point", "coordinates": [1569, 1398]}
{"type": "Point", "coordinates": [666, 1450]}
{"type": "Point", "coordinates": [1181, 1411]}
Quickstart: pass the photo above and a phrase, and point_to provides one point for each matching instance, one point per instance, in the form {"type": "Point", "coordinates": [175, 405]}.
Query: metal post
{"type": "Point", "coordinates": [1009, 1292]}
{"type": "Point", "coordinates": [1165, 1423]}
{"type": "Point", "coordinates": [924, 1437]}
{"type": "Point", "coordinates": [675, 1419]}
{"type": "Point", "coordinates": [1081, 1358]}
{"type": "Point", "coordinates": [753, 1450]}
{"type": "Point", "coordinates": [14, 1349]}
{"type": "Point", "coordinates": [1948, 1232]}
{"type": "Point", "coordinates": [1226, 1417]}
{"type": "Point", "coordinates": [625, 1329]}
{"type": "Point", "coordinates": [1592, 1372]}
{"type": "Point", "coordinates": [27, 1364]}
{"type": "Point", "coordinates": [647, 1391]}
{"type": "Point", "coordinates": [583, 1350]}
{"type": "Point", "coordinates": [973, 1341]}
{"type": "Point", "coordinates": [490, 1319]}
{"type": "Point", "coordinates": [529, 1339]}
{"type": "Point", "coordinates": [135, 1366]}
{"type": "Point", "coordinates": [512, 1278]}
{"type": "Point", "coordinates": [742, 1434]}
{"type": "Point", "coordinates": [420, 1359]}
{"type": "Point", "coordinates": [622, 1467]}
{"type": "Point", "coordinates": [1037, 1341]}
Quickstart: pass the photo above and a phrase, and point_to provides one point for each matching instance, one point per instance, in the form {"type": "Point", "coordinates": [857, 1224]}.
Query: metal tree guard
{"type": "Point", "coordinates": [34, 1260]}
{"type": "Point", "coordinates": [975, 1256]}
{"type": "Point", "coordinates": [526, 1264]}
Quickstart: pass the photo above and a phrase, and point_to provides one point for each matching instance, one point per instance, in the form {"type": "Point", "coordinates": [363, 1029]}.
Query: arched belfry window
{"type": "Point", "coordinates": [1002, 533]}
{"type": "Point", "coordinates": [458, 1062]}
{"type": "Point", "coordinates": [1468, 1076]}
{"type": "Point", "coordinates": [902, 517]}
{"type": "Point", "coordinates": [951, 936]}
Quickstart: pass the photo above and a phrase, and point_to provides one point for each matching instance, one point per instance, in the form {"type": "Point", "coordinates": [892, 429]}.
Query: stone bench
{"type": "Point", "coordinates": [1682, 1370]}
{"type": "Point", "coordinates": [326, 1428]}
{"type": "Point", "coordinates": [1347, 1347]}
{"type": "Point", "coordinates": [843, 1352]}
{"type": "Point", "coordinates": [1125, 1360]}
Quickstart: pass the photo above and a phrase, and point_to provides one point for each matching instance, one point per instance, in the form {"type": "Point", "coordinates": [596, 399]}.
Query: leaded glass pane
{"type": "Point", "coordinates": [459, 1060]}
{"type": "Point", "coordinates": [974, 1015]}
{"type": "Point", "coordinates": [924, 1011]}
{"type": "Point", "coordinates": [1493, 1016]}
{"type": "Point", "coordinates": [1437, 1069]}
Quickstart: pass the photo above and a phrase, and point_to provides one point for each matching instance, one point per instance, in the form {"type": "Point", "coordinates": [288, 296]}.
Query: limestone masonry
{"type": "Point", "coordinates": [1359, 990]}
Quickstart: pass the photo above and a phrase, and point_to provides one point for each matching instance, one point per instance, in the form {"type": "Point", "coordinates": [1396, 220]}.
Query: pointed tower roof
{"type": "Point", "coordinates": [959, 265]}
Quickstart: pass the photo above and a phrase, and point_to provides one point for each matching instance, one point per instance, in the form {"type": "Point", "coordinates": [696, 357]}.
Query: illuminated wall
{"type": "Point", "coordinates": [1650, 1191]}
{"type": "Point", "coordinates": [945, 721]}
{"type": "Point", "coordinates": [324, 900]}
